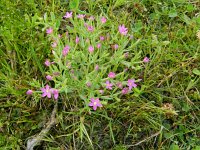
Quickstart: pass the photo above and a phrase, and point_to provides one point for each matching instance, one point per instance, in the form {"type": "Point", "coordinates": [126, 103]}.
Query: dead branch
{"type": "Point", "coordinates": [35, 140]}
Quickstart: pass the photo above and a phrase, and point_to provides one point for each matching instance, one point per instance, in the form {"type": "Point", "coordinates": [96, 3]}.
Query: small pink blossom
{"type": "Point", "coordinates": [97, 67]}
{"type": "Point", "coordinates": [90, 28]}
{"type": "Point", "coordinates": [102, 38]}
{"type": "Point", "coordinates": [126, 55]}
{"type": "Point", "coordinates": [47, 63]}
{"type": "Point", "coordinates": [54, 44]}
{"type": "Point", "coordinates": [101, 91]}
{"type": "Point", "coordinates": [66, 34]}
{"type": "Point", "coordinates": [123, 30]}
{"type": "Point", "coordinates": [46, 91]}
{"type": "Point", "coordinates": [131, 84]}
{"type": "Point", "coordinates": [59, 36]}
{"type": "Point", "coordinates": [65, 50]}
{"type": "Point", "coordinates": [68, 15]}
{"type": "Point", "coordinates": [72, 71]}
{"type": "Point", "coordinates": [103, 20]}
{"type": "Point", "coordinates": [131, 37]}
{"type": "Point", "coordinates": [48, 77]}
{"type": "Point", "coordinates": [98, 45]}
{"type": "Point", "coordinates": [87, 40]}
{"type": "Point", "coordinates": [85, 25]}
{"type": "Point", "coordinates": [56, 73]}
{"type": "Point", "coordinates": [49, 30]}
{"type": "Point", "coordinates": [80, 16]}
{"type": "Point", "coordinates": [146, 59]}
{"type": "Point", "coordinates": [68, 64]}
{"type": "Point", "coordinates": [77, 40]}
{"type": "Point", "coordinates": [55, 93]}
{"type": "Point", "coordinates": [126, 69]}
{"type": "Point", "coordinates": [124, 90]}
{"type": "Point", "coordinates": [116, 46]}
{"type": "Point", "coordinates": [88, 84]}
{"type": "Point", "coordinates": [91, 18]}
{"type": "Point", "coordinates": [29, 92]}
{"type": "Point", "coordinates": [111, 75]}
{"type": "Point", "coordinates": [109, 85]}
{"type": "Point", "coordinates": [119, 85]}
{"type": "Point", "coordinates": [91, 49]}
{"type": "Point", "coordinates": [95, 103]}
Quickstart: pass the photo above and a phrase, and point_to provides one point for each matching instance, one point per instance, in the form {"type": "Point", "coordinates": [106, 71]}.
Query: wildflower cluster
{"type": "Point", "coordinates": [90, 61]}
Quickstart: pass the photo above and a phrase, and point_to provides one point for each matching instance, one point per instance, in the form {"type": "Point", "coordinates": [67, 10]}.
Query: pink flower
{"type": "Point", "coordinates": [109, 85]}
{"type": "Point", "coordinates": [103, 20]}
{"type": "Point", "coordinates": [47, 63]}
{"type": "Point", "coordinates": [126, 54]}
{"type": "Point", "coordinates": [56, 73]}
{"type": "Point", "coordinates": [90, 28]}
{"type": "Point", "coordinates": [124, 90]}
{"type": "Point", "coordinates": [91, 49]}
{"type": "Point", "coordinates": [68, 15]}
{"type": "Point", "coordinates": [101, 91]}
{"type": "Point", "coordinates": [123, 30]}
{"type": "Point", "coordinates": [111, 75]}
{"type": "Point", "coordinates": [68, 64]}
{"type": "Point", "coordinates": [116, 46]}
{"type": "Point", "coordinates": [146, 59]}
{"type": "Point", "coordinates": [80, 16]}
{"type": "Point", "coordinates": [126, 69]}
{"type": "Point", "coordinates": [29, 92]}
{"type": "Point", "coordinates": [46, 91]}
{"type": "Point", "coordinates": [54, 44]}
{"type": "Point", "coordinates": [49, 30]}
{"type": "Point", "coordinates": [85, 25]}
{"type": "Point", "coordinates": [66, 34]}
{"type": "Point", "coordinates": [91, 18]}
{"type": "Point", "coordinates": [88, 84]}
{"type": "Point", "coordinates": [97, 67]}
{"type": "Point", "coordinates": [65, 50]}
{"type": "Point", "coordinates": [119, 85]}
{"type": "Point", "coordinates": [95, 103]}
{"type": "Point", "coordinates": [131, 37]}
{"type": "Point", "coordinates": [48, 77]}
{"type": "Point", "coordinates": [72, 71]}
{"type": "Point", "coordinates": [55, 93]}
{"type": "Point", "coordinates": [87, 40]}
{"type": "Point", "coordinates": [98, 45]}
{"type": "Point", "coordinates": [77, 40]}
{"type": "Point", "coordinates": [131, 84]}
{"type": "Point", "coordinates": [101, 38]}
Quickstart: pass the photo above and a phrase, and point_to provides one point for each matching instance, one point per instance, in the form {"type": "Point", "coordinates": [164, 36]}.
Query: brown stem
{"type": "Point", "coordinates": [35, 140]}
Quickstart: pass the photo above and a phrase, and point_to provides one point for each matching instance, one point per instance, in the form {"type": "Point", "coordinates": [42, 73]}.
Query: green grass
{"type": "Point", "coordinates": [164, 30]}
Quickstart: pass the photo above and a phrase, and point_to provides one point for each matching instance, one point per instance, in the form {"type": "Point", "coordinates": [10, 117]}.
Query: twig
{"type": "Point", "coordinates": [35, 140]}
{"type": "Point", "coordinates": [146, 139]}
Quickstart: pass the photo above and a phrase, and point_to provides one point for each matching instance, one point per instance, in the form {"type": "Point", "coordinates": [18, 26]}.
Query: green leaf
{"type": "Point", "coordinates": [119, 3]}
{"type": "Point", "coordinates": [52, 16]}
{"type": "Point", "coordinates": [73, 5]}
{"type": "Point", "coordinates": [186, 19]}
{"type": "Point", "coordinates": [196, 71]}
{"type": "Point", "coordinates": [173, 13]}
{"type": "Point", "coordinates": [174, 147]}
{"type": "Point", "coordinates": [197, 148]}
{"type": "Point", "coordinates": [190, 8]}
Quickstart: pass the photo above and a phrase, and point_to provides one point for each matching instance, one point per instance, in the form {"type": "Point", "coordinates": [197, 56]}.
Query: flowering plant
{"type": "Point", "coordinates": [93, 60]}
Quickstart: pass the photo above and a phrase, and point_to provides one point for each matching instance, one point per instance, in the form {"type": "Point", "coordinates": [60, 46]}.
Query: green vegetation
{"type": "Point", "coordinates": [163, 112]}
